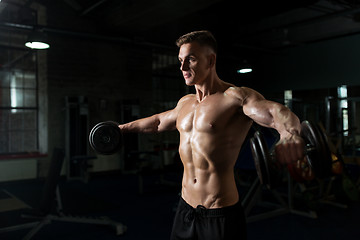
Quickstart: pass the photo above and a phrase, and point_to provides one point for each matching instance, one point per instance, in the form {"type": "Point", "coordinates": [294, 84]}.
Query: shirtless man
{"type": "Point", "coordinates": [213, 124]}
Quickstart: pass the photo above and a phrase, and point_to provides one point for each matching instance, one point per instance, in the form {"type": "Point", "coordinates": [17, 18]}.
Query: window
{"type": "Point", "coordinates": [288, 98]}
{"type": "Point", "coordinates": [342, 94]}
{"type": "Point", "coordinates": [18, 103]}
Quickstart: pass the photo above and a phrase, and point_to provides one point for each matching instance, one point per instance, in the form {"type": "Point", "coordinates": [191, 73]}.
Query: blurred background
{"type": "Point", "coordinates": [117, 60]}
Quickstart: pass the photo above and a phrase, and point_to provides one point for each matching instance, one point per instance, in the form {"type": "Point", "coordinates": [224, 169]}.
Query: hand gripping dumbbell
{"type": "Point", "coordinates": [106, 138]}
{"type": "Point", "coordinates": [317, 157]}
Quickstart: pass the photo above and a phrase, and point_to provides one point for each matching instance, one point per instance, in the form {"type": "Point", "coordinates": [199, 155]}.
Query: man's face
{"type": "Point", "coordinates": [194, 60]}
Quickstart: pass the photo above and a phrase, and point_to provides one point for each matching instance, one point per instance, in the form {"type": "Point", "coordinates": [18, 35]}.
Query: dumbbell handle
{"type": "Point", "coordinates": [318, 155]}
{"type": "Point", "coordinates": [308, 149]}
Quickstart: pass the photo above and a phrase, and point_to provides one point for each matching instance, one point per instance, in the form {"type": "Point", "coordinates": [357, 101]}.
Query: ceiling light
{"type": "Point", "coordinates": [244, 70]}
{"type": "Point", "coordinates": [245, 67]}
{"type": "Point", "coordinates": [37, 40]}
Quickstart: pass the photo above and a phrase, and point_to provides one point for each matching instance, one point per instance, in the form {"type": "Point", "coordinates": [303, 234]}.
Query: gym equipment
{"type": "Point", "coordinates": [76, 129]}
{"type": "Point", "coordinates": [50, 208]}
{"type": "Point", "coordinates": [337, 164]}
{"type": "Point", "coordinates": [318, 157]}
{"type": "Point", "coordinates": [279, 206]}
{"type": "Point", "coordinates": [268, 170]}
{"type": "Point", "coordinates": [106, 138]}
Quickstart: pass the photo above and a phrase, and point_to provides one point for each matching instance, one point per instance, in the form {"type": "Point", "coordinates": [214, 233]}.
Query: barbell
{"type": "Point", "coordinates": [317, 161]}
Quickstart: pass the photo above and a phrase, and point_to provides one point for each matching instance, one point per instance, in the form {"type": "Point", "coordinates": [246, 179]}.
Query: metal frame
{"type": "Point", "coordinates": [284, 207]}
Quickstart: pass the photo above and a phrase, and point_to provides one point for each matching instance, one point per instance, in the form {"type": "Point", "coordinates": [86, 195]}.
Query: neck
{"type": "Point", "coordinates": [208, 87]}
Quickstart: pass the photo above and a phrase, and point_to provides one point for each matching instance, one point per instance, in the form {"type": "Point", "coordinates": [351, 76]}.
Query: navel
{"type": "Point", "coordinates": [195, 180]}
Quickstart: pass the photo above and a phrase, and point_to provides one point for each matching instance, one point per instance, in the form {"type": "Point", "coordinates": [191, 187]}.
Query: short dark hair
{"type": "Point", "coordinates": [203, 37]}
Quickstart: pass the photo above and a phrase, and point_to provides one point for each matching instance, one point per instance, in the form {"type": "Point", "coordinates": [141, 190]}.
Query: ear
{"type": "Point", "coordinates": [212, 60]}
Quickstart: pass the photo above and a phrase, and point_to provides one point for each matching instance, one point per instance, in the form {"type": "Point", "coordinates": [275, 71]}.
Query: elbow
{"type": "Point", "coordinates": [280, 110]}
{"type": "Point", "coordinates": [282, 115]}
{"type": "Point", "coordinates": [155, 125]}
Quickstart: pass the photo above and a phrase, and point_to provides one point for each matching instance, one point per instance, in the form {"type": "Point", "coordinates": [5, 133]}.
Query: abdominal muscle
{"type": "Point", "coordinates": [211, 135]}
{"type": "Point", "coordinates": [208, 177]}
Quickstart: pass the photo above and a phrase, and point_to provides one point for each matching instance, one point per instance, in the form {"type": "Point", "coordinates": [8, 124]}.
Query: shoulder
{"type": "Point", "coordinates": [186, 99]}
{"type": "Point", "coordinates": [243, 94]}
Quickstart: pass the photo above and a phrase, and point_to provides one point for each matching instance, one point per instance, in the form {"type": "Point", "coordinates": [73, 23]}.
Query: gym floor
{"type": "Point", "coordinates": [149, 215]}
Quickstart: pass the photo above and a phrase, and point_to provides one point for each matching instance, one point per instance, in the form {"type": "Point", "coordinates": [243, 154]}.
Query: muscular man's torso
{"type": "Point", "coordinates": [211, 134]}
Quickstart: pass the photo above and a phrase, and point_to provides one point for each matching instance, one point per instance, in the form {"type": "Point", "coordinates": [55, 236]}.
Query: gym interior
{"type": "Point", "coordinates": [104, 60]}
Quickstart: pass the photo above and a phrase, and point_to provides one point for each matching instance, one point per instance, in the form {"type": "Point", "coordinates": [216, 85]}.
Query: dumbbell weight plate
{"type": "Point", "coordinates": [327, 160]}
{"type": "Point", "coordinates": [295, 170]}
{"type": "Point", "coordinates": [106, 138]}
{"type": "Point", "coordinates": [265, 156]}
{"type": "Point", "coordinates": [269, 170]}
{"type": "Point", "coordinates": [259, 161]}
{"type": "Point", "coordinates": [319, 157]}
{"type": "Point", "coordinates": [273, 167]}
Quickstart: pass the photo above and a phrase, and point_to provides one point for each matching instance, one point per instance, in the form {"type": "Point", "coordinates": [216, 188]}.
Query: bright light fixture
{"type": "Point", "coordinates": [37, 45]}
{"type": "Point", "coordinates": [245, 67]}
{"type": "Point", "coordinates": [244, 70]}
{"type": "Point", "coordinates": [37, 40]}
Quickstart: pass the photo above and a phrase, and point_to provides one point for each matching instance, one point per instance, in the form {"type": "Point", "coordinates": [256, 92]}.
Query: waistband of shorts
{"type": "Point", "coordinates": [208, 212]}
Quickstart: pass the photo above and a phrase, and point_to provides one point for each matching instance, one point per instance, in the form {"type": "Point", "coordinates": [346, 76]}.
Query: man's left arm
{"type": "Point", "coordinates": [275, 115]}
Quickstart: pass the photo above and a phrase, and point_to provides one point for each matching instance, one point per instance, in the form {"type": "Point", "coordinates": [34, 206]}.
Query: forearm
{"type": "Point", "coordinates": [165, 121]}
{"type": "Point", "coordinates": [271, 114]}
{"type": "Point", "coordinates": [274, 115]}
{"type": "Point", "coordinates": [285, 121]}
{"type": "Point", "coordinates": [291, 146]}
{"type": "Point", "coordinates": [144, 125]}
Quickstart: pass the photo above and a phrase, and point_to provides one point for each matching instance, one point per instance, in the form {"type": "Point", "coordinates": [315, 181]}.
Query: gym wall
{"type": "Point", "coordinates": [320, 65]}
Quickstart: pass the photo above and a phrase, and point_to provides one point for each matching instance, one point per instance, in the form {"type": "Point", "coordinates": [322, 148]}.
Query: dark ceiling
{"type": "Point", "coordinates": [260, 25]}
{"type": "Point", "coordinates": [241, 27]}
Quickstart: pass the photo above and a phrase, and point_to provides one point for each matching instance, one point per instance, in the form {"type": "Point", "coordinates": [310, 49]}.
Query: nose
{"type": "Point", "coordinates": [184, 66]}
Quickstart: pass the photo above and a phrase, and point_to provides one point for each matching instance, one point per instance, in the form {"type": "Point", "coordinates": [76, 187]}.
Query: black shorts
{"type": "Point", "coordinates": [201, 223]}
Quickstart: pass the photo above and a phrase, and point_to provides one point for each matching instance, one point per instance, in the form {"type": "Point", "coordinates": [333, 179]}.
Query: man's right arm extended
{"type": "Point", "coordinates": [165, 121]}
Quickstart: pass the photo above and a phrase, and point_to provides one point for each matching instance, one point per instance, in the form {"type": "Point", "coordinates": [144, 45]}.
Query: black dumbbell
{"type": "Point", "coordinates": [106, 138]}
{"type": "Point", "coordinates": [317, 152]}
